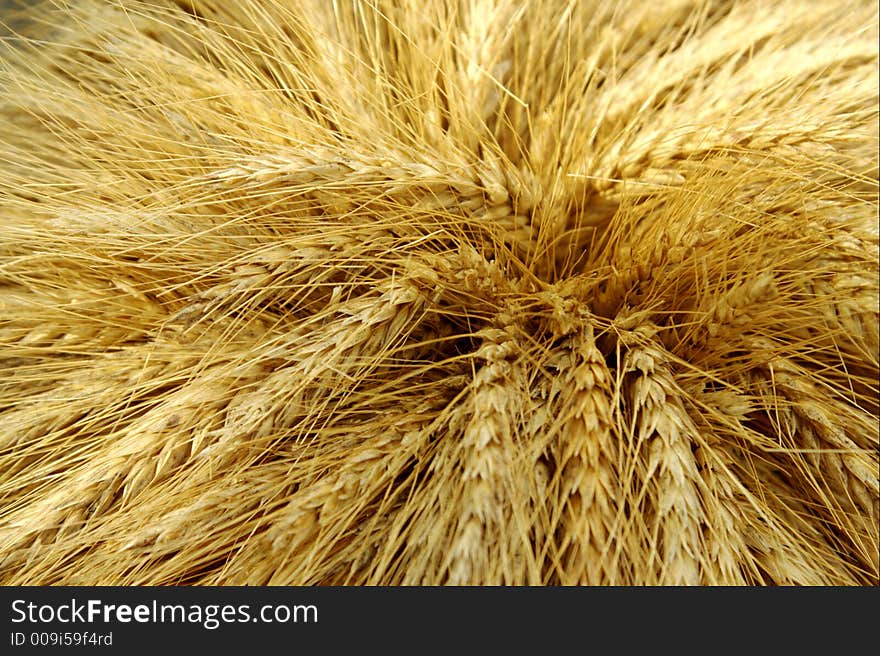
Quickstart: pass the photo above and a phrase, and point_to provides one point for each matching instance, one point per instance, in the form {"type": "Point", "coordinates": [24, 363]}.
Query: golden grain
{"type": "Point", "coordinates": [463, 292]}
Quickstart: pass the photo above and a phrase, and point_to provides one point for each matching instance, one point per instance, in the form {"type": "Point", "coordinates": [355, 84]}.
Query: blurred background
{"type": "Point", "coordinates": [15, 14]}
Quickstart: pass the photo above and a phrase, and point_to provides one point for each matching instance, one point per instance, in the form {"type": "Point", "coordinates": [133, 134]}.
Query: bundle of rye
{"type": "Point", "coordinates": [448, 292]}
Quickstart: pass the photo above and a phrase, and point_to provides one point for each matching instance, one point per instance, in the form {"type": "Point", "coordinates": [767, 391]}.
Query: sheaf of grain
{"type": "Point", "coordinates": [465, 292]}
